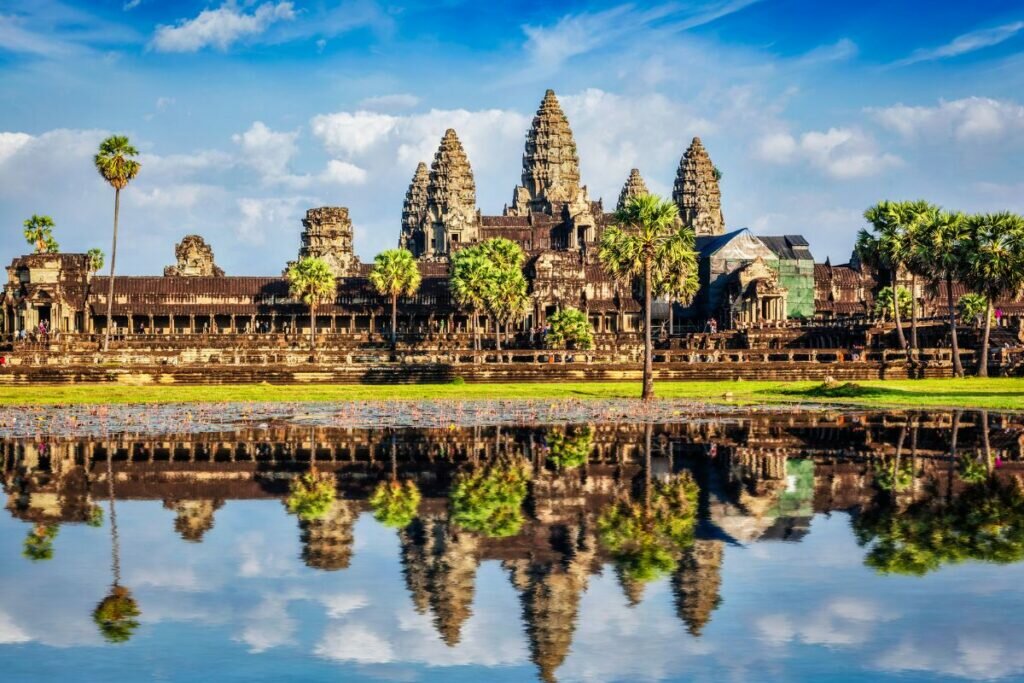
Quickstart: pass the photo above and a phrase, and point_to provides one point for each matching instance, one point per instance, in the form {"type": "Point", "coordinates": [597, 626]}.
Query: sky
{"type": "Point", "coordinates": [249, 112]}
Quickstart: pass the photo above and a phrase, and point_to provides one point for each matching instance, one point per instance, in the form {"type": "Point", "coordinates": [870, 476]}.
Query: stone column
{"type": "Point", "coordinates": [191, 323]}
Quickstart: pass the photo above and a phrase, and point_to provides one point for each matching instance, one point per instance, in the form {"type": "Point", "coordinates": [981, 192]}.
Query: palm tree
{"type": "Point", "coordinates": [395, 274]}
{"type": "Point", "coordinates": [570, 329]}
{"type": "Point", "coordinates": [941, 247]}
{"type": "Point", "coordinates": [994, 264]}
{"type": "Point", "coordinates": [114, 162]}
{"type": "Point", "coordinates": [649, 245]}
{"type": "Point", "coordinates": [39, 234]}
{"type": "Point", "coordinates": [916, 216]}
{"type": "Point", "coordinates": [311, 281]}
{"type": "Point", "coordinates": [507, 298]}
{"type": "Point", "coordinates": [94, 257]}
{"type": "Point", "coordinates": [472, 278]}
{"type": "Point", "coordinates": [885, 246]}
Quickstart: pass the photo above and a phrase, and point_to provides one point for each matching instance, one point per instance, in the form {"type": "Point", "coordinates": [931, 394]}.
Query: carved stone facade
{"type": "Point", "coordinates": [327, 234]}
{"type": "Point", "coordinates": [634, 187]}
{"type": "Point", "coordinates": [696, 192]}
{"type": "Point", "coordinates": [195, 259]}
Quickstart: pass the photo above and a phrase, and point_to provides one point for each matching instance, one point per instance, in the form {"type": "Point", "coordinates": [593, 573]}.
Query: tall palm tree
{"type": "Point", "coordinates": [885, 246]}
{"type": "Point", "coordinates": [115, 164]}
{"type": "Point", "coordinates": [311, 281]}
{"type": "Point", "coordinates": [39, 234]}
{"type": "Point", "coordinates": [395, 274]}
{"type": "Point", "coordinates": [647, 245]}
{"type": "Point", "coordinates": [507, 298]}
{"type": "Point", "coordinates": [915, 216]}
{"type": "Point", "coordinates": [94, 257]}
{"type": "Point", "coordinates": [994, 264]}
{"type": "Point", "coordinates": [472, 278]}
{"type": "Point", "coordinates": [941, 247]}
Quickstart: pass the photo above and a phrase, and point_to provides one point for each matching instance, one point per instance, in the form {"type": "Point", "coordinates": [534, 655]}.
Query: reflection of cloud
{"type": "Point", "coordinates": [268, 625]}
{"type": "Point", "coordinates": [977, 656]}
{"type": "Point", "coordinates": [843, 621]}
{"type": "Point", "coordinates": [171, 578]}
{"type": "Point", "coordinates": [11, 632]}
{"type": "Point", "coordinates": [354, 643]}
{"type": "Point", "coordinates": [343, 603]}
{"type": "Point", "coordinates": [259, 558]}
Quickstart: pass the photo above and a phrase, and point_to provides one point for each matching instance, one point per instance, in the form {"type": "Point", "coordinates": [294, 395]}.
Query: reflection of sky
{"type": "Point", "coordinates": [241, 606]}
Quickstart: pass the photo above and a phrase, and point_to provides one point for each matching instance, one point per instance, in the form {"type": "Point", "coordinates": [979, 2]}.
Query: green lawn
{"type": "Point", "coordinates": [1006, 394]}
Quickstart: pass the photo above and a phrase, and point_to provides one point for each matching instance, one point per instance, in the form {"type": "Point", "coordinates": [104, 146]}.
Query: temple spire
{"type": "Point", "coordinates": [634, 187]}
{"type": "Point", "coordinates": [696, 192]}
{"type": "Point", "coordinates": [414, 212]}
{"type": "Point", "coordinates": [451, 196]}
{"type": "Point", "coordinates": [551, 165]}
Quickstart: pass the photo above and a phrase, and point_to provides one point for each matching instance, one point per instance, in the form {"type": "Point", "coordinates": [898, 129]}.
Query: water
{"type": "Point", "coordinates": [824, 545]}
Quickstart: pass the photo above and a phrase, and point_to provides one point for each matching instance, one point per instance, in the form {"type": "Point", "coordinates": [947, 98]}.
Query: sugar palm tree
{"type": "Point", "coordinates": [395, 274]}
{"type": "Point", "coordinates": [115, 164]}
{"type": "Point", "coordinates": [94, 257]}
{"type": "Point", "coordinates": [647, 245]}
{"type": "Point", "coordinates": [994, 264]}
{"type": "Point", "coordinates": [941, 247]}
{"type": "Point", "coordinates": [472, 277]}
{"type": "Point", "coordinates": [311, 281]}
{"type": "Point", "coordinates": [507, 298]}
{"type": "Point", "coordinates": [885, 246]}
{"type": "Point", "coordinates": [39, 234]}
{"type": "Point", "coordinates": [915, 216]}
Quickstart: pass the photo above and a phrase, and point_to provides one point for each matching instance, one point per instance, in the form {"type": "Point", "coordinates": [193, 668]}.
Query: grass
{"type": "Point", "coordinates": [996, 393]}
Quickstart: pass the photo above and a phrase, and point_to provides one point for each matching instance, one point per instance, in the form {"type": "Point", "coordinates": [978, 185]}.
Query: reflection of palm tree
{"type": "Point", "coordinates": [38, 544]}
{"type": "Point", "coordinates": [395, 503]}
{"type": "Point", "coordinates": [489, 500]}
{"type": "Point", "coordinates": [115, 615]}
{"type": "Point", "coordinates": [647, 538]}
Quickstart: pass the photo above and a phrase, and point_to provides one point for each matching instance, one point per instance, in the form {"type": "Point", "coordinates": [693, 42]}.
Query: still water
{"type": "Point", "coordinates": [764, 546]}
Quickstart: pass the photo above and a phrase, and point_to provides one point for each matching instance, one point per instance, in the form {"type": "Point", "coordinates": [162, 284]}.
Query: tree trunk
{"type": "Point", "coordinates": [983, 361]}
{"type": "Point", "coordinates": [952, 454]}
{"type": "Point", "coordinates": [312, 326]}
{"type": "Point", "coordinates": [497, 333]}
{"type": "Point", "coordinates": [115, 550]}
{"type": "Point", "coordinates": [989, 465]}
{"type": "Point", "coordinates": [394, 321]}
{"type": "Point", "coordinates": [648, 390]}
{"type": "Point", "coordinates": [896, 312]}
{"type": "Point", "coordinates": [958, 368]}
{"type": "Point", "coordinates": [648, 429]}
{"type": "Point", "coordinates": [913, 312]}
{"type": "Point", "coordinates": [113, 260]}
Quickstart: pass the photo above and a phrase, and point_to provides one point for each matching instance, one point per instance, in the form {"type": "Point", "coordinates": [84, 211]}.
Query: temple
{"type": "Point", "coordinates": [747, 282]}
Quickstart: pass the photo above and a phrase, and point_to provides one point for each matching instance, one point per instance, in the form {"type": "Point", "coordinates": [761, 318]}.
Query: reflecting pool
{"type": "Point", "coordinates": [760, 545]}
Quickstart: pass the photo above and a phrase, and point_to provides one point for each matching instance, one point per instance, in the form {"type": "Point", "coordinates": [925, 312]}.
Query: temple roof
{"type": "Point", "coordinates": [790, 247]}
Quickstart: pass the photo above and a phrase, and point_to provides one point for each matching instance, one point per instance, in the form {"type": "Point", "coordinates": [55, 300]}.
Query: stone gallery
{"type": "Point", "coordinates": [745, 279]}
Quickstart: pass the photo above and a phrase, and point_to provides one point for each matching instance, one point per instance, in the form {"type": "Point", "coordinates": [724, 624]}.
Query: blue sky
{"type": "Point", "coordinates": [247, 113]}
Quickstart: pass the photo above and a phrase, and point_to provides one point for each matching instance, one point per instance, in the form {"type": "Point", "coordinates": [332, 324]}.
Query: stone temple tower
{"type": "Point", "coordinates": [551, 164]}
{"type": "Point", "coordinates": [327, 234]}
{"type": "Point", "coordinates": [696, 192]}
{"type": "Point", "coordinates": [414, 212]}
{"type": "Point", "coordinates": [634, 187]}
{"type": "Point", "coordinates": [451, 199]}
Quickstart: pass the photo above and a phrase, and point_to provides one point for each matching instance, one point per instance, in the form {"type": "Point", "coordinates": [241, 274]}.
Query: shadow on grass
{"type": "Point", "coordinates": [846, 390]}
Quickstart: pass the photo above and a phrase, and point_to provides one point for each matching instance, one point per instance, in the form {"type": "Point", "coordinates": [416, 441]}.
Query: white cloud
{"type": "Point", "coordinates": [256, 215]}
{"type": "Point", "coordinates": [267, 151]}
{"type": "Point", "coordinates": [220, 27]}
{"type": "Point", "coordinates": [966, 119]}
{"type": "Point", "coordinates": [390, 102]}
{"type": "Point", "coordinates": [343, 173]}
{"type": "Point", "coordinates": [963, 44]}
{"type": "Point", "coordinates": [842, 153]}
{"type": "Point", "coordinates": [352, 132]}
{"type": "Point", "coordinates": [11, 632]}
{"type": "Point", "coordinates": [10, 143]}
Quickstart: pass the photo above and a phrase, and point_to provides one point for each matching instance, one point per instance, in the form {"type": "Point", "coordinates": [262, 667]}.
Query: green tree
{"type": "Point", "coordinates": [973, 307]}
{"type": "Point", "coordinates": [994, 264]}
{"type": "Point", "coordinates": [311, 281]}
{"type": "Point", "coordinates": [915, 216]}
{"type": "Point", "coordinates": [395, 274]}
{"type": "Point", "coordinates": [883, 302]}
{"type": "Point", "coordinates": [648, 246]}
{"type": "Point", "coordinates": [570, 329]}
{"type": "Point", "coordinates": [311, 494]}
{"type": "Point", "coordinates": [39, 234]}
{"type": "Point", "coordinates": [489, 499]}
{"type": "Point", "coordinates": [94, 258]}
{"type": "Point", "coordinates": [941, 249]}
{"type": "Point", "coordinates": [115, 164]}
{"type": "Point", "coordinates": [887, 246]}
{"type": "Point", "coordinates": [472, 279]}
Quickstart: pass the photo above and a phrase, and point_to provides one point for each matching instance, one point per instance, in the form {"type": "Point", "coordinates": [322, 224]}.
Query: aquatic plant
{"type": "Point", "coordinates": [310, 495]}
{"type": "Point", "coordinates": [489, 499]}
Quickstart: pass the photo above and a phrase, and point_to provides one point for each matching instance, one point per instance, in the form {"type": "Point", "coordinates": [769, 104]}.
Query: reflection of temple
{"type": "Point", "coordinates": [762, 477]}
